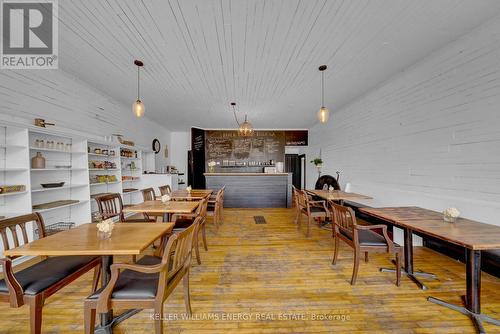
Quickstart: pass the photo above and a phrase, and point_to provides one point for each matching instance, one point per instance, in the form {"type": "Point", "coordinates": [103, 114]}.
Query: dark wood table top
{"type": "Point", "coordinates": [337, 195]}
{"type": "Point", "coordinates": [464, 232]}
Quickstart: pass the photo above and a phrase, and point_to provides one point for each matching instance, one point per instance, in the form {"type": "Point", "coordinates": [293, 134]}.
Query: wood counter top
{"type": "Point", "coordinates": [245, 174]}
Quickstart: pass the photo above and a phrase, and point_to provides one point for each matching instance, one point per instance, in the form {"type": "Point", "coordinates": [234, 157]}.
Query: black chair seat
{"type": "Point", "coordinates": [45, 274]}
{"type": "Point", "coordinates": [183, 223]}
{"type": "Point", "coordinates": [366, 238]}
{"type": "Point", "coordinates": [134, 285]}
{"type": "Point", "coordinates": [317, 209]}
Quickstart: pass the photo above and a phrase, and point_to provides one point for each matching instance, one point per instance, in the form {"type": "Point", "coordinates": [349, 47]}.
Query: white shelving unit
{"type": "Point", "coordinates": [65, 161]}
{"type": "Point", "coordinates": [131, 167]}
{"type": "Point", "coordinates": [14, 170]}
{"type": "Point", "coordinates": [71, 162]}
{"type": "Point", "coordinates": [112, 156]}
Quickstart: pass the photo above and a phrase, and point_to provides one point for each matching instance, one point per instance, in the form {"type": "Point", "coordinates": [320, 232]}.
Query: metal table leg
{"type": "Point", "coordinates": [408, 266]}
{"type": "Point", "coordinates": [107, 320]}
{"type": "Point", "coordinates": [473, 298]}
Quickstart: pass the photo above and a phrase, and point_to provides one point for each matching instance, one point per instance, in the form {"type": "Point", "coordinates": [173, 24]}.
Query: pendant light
{"type": "Point", "coordinates": [323, 113]}
{"type": "Point", "coordinates": [138, 107]}
{"type": "Point", "coordinates": [245, 128]}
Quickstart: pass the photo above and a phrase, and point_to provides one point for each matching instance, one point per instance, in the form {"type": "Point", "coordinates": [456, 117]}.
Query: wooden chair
{"type": "Point", "coordinates": [165, 190]}
{"type": "Point", "coordinates": [111, 206]}
{"type": "Point", "coordinates": [38, 282]}
{"type": "Point", "coordinates": [296, 194]}
{"type": "Point", "coordinates": [215, 206]}
{"type": "Point", "coordinates": [183, 221]}
{"type": "Point", "coordinates": [146, 284]}
{"type": "Point", "coordinates": [362, 239]}
{"type": "Point", "coordinates": [312, 209]}
{"type": "Point", "coordinates": [148, 194]}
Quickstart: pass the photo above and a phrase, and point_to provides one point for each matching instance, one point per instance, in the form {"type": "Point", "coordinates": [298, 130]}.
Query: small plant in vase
{"type": "Point", "coordinates": [451, 215]}
{"type": "Point", "coordinates": [105, 228]}
{"type": "Point", "coordinates": [211, 166]}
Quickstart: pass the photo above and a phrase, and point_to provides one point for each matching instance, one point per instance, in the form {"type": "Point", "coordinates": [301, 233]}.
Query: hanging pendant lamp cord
{"type": "Point", "coordinates": [235, 118]}
{"type": "Point", "coordinates": [322, 89]}
{"type": "Point", "coordinates": [138, 83]}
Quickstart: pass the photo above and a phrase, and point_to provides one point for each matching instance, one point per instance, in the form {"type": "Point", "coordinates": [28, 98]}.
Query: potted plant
{"type": "Point", "coordinates": [318, 162]}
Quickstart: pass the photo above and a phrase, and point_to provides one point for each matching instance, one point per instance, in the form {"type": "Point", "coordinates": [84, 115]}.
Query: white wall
{"type": "Point", "coordinates": [72, 104]}
{"type": "Point", "coordinates": [429, 136]}
{"type": "Point", "coordinates": [181, 144]}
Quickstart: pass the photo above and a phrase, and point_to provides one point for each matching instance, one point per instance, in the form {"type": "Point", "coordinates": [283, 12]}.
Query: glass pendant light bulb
{"type": "Point", "coordinates": [323, 114]}
{"type": "Point", "coordinates": [138, 108]}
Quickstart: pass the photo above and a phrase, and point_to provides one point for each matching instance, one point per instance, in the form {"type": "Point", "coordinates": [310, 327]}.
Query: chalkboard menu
{"type": "Point", "coordinates": [229, 148]}
{"type": "Point", "coordinates": [197, 159]}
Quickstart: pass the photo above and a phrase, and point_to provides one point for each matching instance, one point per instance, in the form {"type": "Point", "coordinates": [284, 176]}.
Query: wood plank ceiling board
{"type": "Point", "coordinates": [200, 55]}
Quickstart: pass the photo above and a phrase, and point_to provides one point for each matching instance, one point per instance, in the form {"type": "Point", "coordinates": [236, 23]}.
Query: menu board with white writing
{"type": "Point", "coordinates": [262, 146]}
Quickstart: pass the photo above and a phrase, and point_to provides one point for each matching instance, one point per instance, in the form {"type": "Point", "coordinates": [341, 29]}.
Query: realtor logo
{"type": "Point", "coordinates": [29, 34]}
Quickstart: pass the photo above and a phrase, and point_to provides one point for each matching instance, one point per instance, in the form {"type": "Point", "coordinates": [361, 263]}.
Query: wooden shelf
{"type": "Point", "coordinates": [60, 207]}
{"type": "Point", "coordinates": [103, 183]}
{"type": "Point", "coordinates": [126, 158]}
{"type": "Point", "coordinates": [38, 190]}
{"type": "Point", "coordinates": [13, 193]}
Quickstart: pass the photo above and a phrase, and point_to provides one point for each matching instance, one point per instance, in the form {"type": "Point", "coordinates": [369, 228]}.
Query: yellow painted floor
{"type": "Point", "coordinates": [271, 279]}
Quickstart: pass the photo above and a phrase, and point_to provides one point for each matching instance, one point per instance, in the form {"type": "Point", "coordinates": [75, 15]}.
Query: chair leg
{"type": "Point", "coordinates": [36, 306]}
{"type": "Point", "coordinates": [356, 266]}
{"type": "Point", "coordinates": [95, 279]}
{"type": "Point", "coordinates": [398, 268]}
{"type": "Point", "coordinates": [89, 318]}
{"type": "Point", "coordinates": [187, 296]}
{"type": "Point", "coordinates": [204, 236]}
{"type": "Point", "coordinates": [297, 216]}
{"type": "Point", "coordinates": [336, 242]}
{"type": "Point", "coordinates": [366, 257]}
{"type": "Point", "coordinates": [197, 247]}
{"type": "Point", "coordinates": [309, 222]}
{"type": "Point", "coordinates": [159, 321]}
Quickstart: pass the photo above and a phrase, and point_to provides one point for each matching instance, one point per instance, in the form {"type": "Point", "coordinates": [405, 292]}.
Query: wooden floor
{"type": "Point", "coordinates": [254, 276]}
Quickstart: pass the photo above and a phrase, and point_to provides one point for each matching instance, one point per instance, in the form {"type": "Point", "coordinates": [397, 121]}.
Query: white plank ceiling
{"type": "Point", "coordinates": [200, 55]}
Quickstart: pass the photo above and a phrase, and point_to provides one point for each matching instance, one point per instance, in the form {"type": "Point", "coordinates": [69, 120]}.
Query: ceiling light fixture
{"type": "Point", "coordinates": [138, 107]}
{"type": "Point", "coordinates": [245, 128]}
{"type": "Point", "coordinates": [323, 113]}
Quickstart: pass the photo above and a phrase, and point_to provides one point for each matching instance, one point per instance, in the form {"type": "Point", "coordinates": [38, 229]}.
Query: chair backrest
{"type": "Point", "coordinates": [165, 190]}
{"type": "Point", "coordinates": [148, 194]}
{"type": "Point", "coordinates": [327, 180]}
{"type": "Point", "coordinates": [110, 206]}
{"type": "Point", "coordinates": [302, 199]}
{"type": "Point", "coordinates": [343, 217]}
{"type": "Point", "coordinates": [11, 229]}
{"type": "Point", "coordinates": [177, 253]}
{"type": "Point", "coordinates": [203, 210]}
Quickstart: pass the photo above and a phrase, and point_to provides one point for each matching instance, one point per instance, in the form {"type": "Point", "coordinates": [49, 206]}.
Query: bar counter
{"type": "Point", "coordinates": [253, 190]}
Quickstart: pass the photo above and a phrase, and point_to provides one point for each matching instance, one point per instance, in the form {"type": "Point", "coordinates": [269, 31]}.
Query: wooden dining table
{"type": "Point", "coordinates": [126, 239]}
{"type": "Point", "coordinates": [166, 208]}
{"type": "Point", "coordinates": [193, 195]}
{"type": "Point", "coordinates": [472, 235]}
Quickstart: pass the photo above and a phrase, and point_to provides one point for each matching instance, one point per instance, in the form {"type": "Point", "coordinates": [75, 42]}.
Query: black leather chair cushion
{"type": "Point", "coordinates": [43, 275]}
{"type": "Point", "coordinates": [135, 285]}
{"type": "Point", "coordinates": [317, 209]}
{"type": "Point", "coordinates": [183, 223]}
{"type": "Point", "coordinates": [366, 237]}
